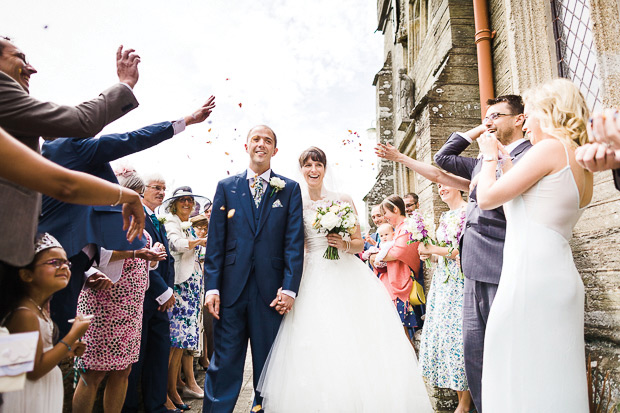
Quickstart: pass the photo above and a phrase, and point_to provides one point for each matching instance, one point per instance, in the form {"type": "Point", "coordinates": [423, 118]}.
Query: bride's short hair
{"type": "Point", "coordinates": [314, 153]}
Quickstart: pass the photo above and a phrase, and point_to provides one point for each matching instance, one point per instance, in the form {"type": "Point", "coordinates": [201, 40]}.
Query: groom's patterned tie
{"type": "Point", "coordinates": [258, 190]}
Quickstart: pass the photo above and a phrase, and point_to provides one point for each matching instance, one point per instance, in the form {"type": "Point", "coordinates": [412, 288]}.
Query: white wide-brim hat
{"type": "Point", "coordinates": [180, 192]}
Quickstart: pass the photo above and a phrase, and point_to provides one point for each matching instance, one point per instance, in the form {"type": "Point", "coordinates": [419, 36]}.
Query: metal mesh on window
{"type": "Point", "coordinates": [575, 47]}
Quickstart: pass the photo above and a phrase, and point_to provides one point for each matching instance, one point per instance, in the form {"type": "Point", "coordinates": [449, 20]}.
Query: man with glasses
{"type": "Point", "coordinates": [84, 229]}
{"type": "Point", "coordinates": [151, 369]}
{"type": "Point", "coordinates": [482, 242]}
{"type": "Point", "coordinates": [412, 202]}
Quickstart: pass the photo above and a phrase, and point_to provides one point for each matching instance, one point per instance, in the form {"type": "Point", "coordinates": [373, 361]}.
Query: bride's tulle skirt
{"type": "Point", "coordinates": [342, 348]}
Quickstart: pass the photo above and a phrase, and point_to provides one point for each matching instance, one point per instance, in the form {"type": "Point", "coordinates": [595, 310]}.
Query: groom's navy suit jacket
{"type": "Point", "coordinates": [482, 243]}
{"type": "Point", "coordinates": [268, 241]}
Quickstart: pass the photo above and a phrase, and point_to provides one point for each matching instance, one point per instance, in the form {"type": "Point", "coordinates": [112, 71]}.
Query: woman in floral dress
{"type": "Point", "coordinates": [441, 350]}
{"type": "Point", "coordinates": [113, 338]}
{"type": "Point", "coordinates": [184, 316]}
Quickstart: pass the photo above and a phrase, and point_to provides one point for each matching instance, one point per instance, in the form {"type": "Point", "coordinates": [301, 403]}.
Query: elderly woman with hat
{"type": "Point", "coordinates": [185, 314]}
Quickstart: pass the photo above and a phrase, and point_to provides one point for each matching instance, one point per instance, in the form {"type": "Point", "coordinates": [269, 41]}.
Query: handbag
{"type": "Point", "coordinates": [416, 297]}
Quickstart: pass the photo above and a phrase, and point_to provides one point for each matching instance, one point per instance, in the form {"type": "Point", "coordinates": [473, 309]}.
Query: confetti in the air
{"type": "Point", "coordinates": [240, 104]}
{"type": "Point", "coordinates": [231, 213]}
{"type": "Point", "coordinates": [222, 208]}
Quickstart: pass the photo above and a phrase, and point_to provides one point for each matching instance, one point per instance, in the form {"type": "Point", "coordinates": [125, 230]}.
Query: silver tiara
{"type": "Point", "coordinates": [45, 241]}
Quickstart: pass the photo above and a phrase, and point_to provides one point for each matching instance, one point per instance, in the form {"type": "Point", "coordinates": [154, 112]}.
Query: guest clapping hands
{"type": "Point", "coordinates": [603, 151]}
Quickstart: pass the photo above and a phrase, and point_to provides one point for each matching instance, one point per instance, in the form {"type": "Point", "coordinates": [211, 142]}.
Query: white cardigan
{"type": "Point", "coordinates": [178, 242]}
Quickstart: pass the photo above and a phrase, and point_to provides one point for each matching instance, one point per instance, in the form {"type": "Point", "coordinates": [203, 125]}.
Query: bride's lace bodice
{"type": "Point", "coordinates": [313, 240]}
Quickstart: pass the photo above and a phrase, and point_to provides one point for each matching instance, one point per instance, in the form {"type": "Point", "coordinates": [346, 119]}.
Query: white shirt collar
{"type": "Point", "coordinates": [265, 175]}
{"type": "Point", "coordinates": [512, 146]}
{"type": "Point", "coordinates": [148, 210]}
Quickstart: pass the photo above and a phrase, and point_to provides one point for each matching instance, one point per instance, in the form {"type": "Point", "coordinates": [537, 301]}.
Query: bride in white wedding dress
{"type": "Point", "coordinates": [534, 352]}
{"type": "Point", "coordinates": [341, 348]}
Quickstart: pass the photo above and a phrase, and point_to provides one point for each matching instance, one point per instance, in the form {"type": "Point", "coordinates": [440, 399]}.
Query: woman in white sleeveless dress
{"type": "Point", "coordinates": [534, 354]}
{"type": "Point", "coordinates": [341, 348]}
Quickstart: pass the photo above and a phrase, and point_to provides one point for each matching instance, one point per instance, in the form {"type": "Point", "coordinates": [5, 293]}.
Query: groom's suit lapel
{"type": "Point", "coordinates": [266, 204]}
{"type": "Point", "coordinates": [245, 199]}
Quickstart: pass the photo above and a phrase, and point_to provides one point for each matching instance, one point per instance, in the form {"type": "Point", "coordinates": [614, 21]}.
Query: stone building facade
{"type": "Point", "coordinates": [428, 88]}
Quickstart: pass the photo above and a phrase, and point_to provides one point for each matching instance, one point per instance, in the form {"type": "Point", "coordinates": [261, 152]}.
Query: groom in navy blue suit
{"type": "Point", "coordinates": [253, 268]}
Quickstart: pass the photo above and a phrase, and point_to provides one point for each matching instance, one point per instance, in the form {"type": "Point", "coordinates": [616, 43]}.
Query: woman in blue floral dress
{"type": "Point", "coordinates": [185, 331]}
{"type": "Point", "coordinates": [441, 349]}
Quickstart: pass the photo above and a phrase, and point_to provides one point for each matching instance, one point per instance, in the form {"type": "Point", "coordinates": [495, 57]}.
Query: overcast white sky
{"type": "Point", "coordinates": [303, 67]}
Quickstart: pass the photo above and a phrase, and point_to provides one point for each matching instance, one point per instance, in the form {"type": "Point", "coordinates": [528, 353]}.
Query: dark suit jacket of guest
{"type": "Point", "coordinates": [482, 243]}
{"type": "Point", "coordinates": [76, 226]}
{"type": "Point", "coordinates": [27, 118]}
{"type": "Point", "coordinates": [161, 278]}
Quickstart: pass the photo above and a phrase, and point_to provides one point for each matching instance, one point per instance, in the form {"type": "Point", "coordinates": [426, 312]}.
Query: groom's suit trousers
{"type": "Point", "coordinates": [248, 318]}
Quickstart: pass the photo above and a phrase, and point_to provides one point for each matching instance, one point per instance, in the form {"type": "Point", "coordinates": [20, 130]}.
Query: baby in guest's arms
{"type": "Point", "coordinates": [386, 235]}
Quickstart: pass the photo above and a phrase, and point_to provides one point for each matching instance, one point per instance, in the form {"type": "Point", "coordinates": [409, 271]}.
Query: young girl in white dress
{"type": "Point", "coordinates": [25, 293]}
{"type": "Point", "coordinates": [341, 348]}
{"type": "Point", "coordinates": [534, 351]}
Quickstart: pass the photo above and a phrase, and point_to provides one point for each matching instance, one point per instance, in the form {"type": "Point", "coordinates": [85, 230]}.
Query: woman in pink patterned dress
{"type": "Point", "coordinates": [113, 338]}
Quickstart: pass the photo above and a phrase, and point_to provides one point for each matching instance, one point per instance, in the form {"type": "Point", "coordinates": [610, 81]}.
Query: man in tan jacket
{"type": "Point", "coordinates": [27, 118]}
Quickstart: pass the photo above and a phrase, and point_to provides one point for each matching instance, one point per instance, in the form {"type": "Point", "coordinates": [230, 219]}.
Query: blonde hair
{"type": "Point", "coordinates": [562, 110]}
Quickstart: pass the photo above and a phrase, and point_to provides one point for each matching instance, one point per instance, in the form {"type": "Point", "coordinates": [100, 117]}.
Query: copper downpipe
{"type": "Point", "coordinates": [483, 38]}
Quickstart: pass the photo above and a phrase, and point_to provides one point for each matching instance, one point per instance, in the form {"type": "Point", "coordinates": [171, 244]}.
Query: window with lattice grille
{"type": "Point", "coordinates": [575, 48]}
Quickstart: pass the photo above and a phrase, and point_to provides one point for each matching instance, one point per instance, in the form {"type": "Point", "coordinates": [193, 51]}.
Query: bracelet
{"type": "Point", "coordinates": [486, 158]}
{"type": "Point", "coordinates": [348, 244]}
{"type": "Point", "coordinates": [65, 343]}
{"type": "Point", "coordinates": [120, 195]}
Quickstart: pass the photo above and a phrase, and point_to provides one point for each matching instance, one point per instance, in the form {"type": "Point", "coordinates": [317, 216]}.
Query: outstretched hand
{"type": "Point", "coordinates": [127, 66]}
{"type": "Point", "coordinates": [202, 113]}
{"type": "Point", "coordinates": [133, 217]}
{"type": "Point", "coordinates": [99, 281]}
{"type": "Point", "coordinates": [283, 303]}
{"type": "Point", "coordinates": [387, 151]}
{"type": "Point", "coordinates": [597, 157]}
{"type": "Point", "coordinates": [604, 128]}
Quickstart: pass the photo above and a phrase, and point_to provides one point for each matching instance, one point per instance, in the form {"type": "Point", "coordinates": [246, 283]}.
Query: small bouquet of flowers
{"type": "Point", "coordinates": [449, 233]}
{"type": "Point", "coordinates": [420, 229]}
{"type": "Point", "coordinates": [334, 217]}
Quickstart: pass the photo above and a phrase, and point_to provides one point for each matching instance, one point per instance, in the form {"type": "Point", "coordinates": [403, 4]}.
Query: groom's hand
{"type": "Point", "coordinates": [212, 304]}
{"type": "Point", "coordinates": [282, 303]}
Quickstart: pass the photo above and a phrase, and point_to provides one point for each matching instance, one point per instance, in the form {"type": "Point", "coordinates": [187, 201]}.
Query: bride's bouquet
{"type": "Point", "coordinates": [420, 229]}
{"type": "Point", "coordinates": [334, 217]}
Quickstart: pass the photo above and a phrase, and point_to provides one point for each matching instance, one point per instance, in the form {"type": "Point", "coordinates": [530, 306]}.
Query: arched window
{"type": "Point", "coordinates": [575, 48]}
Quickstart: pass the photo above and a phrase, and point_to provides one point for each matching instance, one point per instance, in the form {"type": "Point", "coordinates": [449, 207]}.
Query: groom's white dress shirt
{"type": "Point", "coordinates": [265, 176]}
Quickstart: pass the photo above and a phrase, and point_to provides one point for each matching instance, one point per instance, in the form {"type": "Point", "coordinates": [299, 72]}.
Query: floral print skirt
{"type": "Point", "coordinates": [184, 315]}
{"type": "Point", "coordinates": [441, 349]}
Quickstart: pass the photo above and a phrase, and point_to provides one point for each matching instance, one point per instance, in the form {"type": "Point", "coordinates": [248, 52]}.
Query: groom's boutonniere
{"type": "Point", "coordinates": [162, 220]}
{"type": "Point", "coordinates": [276, 184]}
